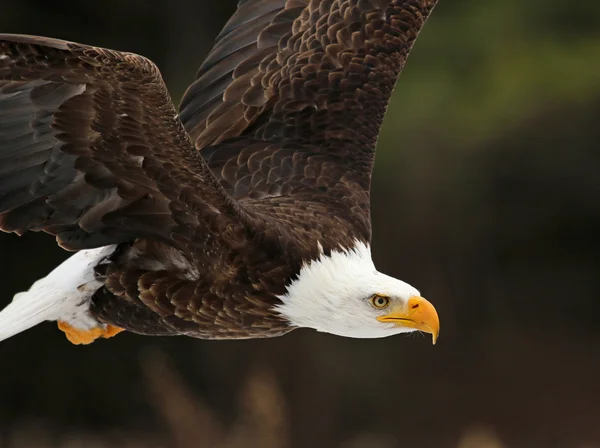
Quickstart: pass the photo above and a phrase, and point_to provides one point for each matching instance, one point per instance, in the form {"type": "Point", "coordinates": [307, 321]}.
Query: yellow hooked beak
{"type": "Point", "coordinates": [419, 314]}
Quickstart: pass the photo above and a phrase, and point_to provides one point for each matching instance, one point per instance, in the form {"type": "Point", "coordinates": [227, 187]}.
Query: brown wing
{"type": "Point", "coordinates": [91, 149]}
{"type": "Point", "coordinates": [238, 51]}
{"type": "Point", "coordinates": [291, 98]}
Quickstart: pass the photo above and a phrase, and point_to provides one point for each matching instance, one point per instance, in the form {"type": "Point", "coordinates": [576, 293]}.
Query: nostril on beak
{"type": "Point", "coordinates": [415, 306]}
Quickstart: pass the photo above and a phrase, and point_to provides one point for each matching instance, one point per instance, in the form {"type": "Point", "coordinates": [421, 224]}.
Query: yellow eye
{"type": "Point", "coordinates": [380, 302]}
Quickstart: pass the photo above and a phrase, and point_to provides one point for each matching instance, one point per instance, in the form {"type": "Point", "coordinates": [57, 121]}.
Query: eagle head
{"type": "Point", "coordinates": [343, 294]}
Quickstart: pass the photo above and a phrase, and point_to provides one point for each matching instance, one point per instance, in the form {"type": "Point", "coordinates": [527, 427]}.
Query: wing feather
{"type": "Point", "coordinates": [290, 100]}
{"type": "Point", "coordinates": [92, 150]}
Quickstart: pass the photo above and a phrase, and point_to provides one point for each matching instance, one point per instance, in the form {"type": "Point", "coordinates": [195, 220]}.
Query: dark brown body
{"type": "Point", "coordinates": [153, 288]}
{"type": "Point", "coordinates": [215, 209]}
{"type": "Point", "coordinates": [147, 294]}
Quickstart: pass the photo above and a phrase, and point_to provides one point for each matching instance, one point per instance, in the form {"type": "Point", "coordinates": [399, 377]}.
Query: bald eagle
{"type": "Point", "coordinates": [243, 214]}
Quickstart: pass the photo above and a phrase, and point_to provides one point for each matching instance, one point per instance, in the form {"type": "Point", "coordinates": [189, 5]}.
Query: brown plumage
{"type": "Point", "coordinates": [216, 209]}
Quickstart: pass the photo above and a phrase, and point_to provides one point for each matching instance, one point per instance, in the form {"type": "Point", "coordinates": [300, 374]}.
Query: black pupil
{"type": "Point", "coordinates": [380, 301]}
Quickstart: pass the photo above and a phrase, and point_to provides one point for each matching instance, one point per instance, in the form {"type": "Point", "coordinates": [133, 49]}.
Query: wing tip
{"type": "Point", "coordinates": [35, 40]}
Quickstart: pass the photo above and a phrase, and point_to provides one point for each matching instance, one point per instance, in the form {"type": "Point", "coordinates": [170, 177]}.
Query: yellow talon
{"type": "Point", "coordinates": [77, 336]}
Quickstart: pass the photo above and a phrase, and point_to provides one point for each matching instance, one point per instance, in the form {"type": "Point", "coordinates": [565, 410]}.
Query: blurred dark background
{"type": "Point", "coordinates": [486, 197]}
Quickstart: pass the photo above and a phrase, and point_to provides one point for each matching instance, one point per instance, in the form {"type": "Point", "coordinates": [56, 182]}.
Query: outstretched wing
{"type": "Point", "coordinates": [92, 150]}
{"type": "Point", "coordinates": [290, 100]}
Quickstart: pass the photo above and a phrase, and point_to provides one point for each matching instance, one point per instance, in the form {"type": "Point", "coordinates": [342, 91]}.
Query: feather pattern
{"type": "Point", "coordinates": [299, 102]}
{"type": "Point", "coordinates": [216, 210]}
{"type": "Point", "coordinates": [92, 151]}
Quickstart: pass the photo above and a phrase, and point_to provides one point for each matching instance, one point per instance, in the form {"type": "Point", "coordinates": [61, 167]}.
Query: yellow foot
{"type": "Point", "coordinates": [77, 336]}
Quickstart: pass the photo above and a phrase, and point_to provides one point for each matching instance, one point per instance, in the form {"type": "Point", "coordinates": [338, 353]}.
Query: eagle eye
{"type": "Point", "coordinates": [379, 302]}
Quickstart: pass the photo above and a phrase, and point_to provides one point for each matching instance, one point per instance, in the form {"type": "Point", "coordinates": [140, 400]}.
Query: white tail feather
{"type": "Point", "coordinates": [63, 294]}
